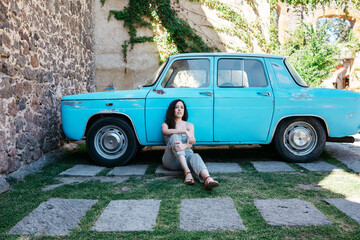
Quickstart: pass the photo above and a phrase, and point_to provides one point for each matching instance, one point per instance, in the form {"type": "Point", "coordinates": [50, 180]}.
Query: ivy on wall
{"type": "Point", "coordinates": [316, 3]}
{"type": "Point", "coordinates": [174, 35]}
{"type": "Point", "coordinates": [171, 32]}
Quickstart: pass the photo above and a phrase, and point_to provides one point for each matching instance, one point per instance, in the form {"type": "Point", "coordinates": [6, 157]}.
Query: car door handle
{"type": "Point", "coordinates": [264, 94]}
{"type": "Point", "coordinates": [206, 93]}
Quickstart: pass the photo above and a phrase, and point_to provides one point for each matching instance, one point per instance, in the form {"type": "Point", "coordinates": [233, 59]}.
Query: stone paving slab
{"type": "Point", "coordinates": [215, 167]}
{"type": "Point", "coordinates": [348, 154]}
{"type": "Point", "coordinates": [161, 170]}
{"type": "Point", "coordinates": [353, 165]}
{"type": "Point", "coordinates": [319, 166]}
{"type": "Point", "coordinates": [342, 151]}
{"type": "Point", "coordinates": [272, 166]}
{"type": "Point", "coordinates": [128, 216]}
{"type": "Point", "coordinates": [130, 170]}
{"type": "Point", "coordinates": [209, 214]}
{"type": "Point", "coordinates": [83, 170]}
{"type": "Point", "coordinates": [350, 207]}
{"type": "Point", "coordinates": [290, 212]}
{"type": "Point", "coordinates": [54, 217]}
{"type": "Point", "coordinates": [72, 180]}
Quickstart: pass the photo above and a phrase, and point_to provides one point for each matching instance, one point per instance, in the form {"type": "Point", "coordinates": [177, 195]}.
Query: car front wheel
{"type": "Point", "coordinates": [300, 139]}
{"type": "Point", "coordinates": [111, 142]}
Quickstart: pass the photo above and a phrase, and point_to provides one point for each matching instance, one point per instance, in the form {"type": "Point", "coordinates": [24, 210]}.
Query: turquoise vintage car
{"type": "Point", "coordinates": [231, 99]}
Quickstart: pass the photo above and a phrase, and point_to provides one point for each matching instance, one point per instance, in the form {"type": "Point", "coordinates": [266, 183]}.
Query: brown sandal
{"type": "Point", "coordinates": [189, 181]}
{"type": "Point", "coordinates": [211, 184]}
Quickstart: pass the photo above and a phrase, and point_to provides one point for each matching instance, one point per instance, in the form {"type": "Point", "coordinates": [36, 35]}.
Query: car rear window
{"type": "Point", "coordinates": [285, 78]}
{"type": "Point", "coordinates": [295, 74]}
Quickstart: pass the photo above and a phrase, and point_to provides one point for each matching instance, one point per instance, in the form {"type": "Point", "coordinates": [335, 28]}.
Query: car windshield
{"type": "Point", "coordinates": [295, 74]}
{"type": "Point", "coordinates": [155, 76]}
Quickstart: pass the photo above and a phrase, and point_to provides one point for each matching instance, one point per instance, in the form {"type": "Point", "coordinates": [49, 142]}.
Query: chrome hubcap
{"type": "Point", "coordinates": [300, 138]}
{"type": "Point", "coordinates": [111, 142]}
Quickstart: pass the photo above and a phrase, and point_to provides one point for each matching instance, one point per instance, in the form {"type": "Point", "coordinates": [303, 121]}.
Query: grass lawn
{"type": "Point", "coordinates": [243, 188]}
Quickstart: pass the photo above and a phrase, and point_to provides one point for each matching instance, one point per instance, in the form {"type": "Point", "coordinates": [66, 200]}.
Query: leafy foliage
{"type": "Point", "coordinates": [315, 3]}
{"type": "Point", "coordinates": [171, 31]}
{"type": "Point", "coordinates": [310, 54]}
{"type": "Point", "coordinates": [308, 50]}
{"type": "Point", "coordinates": [337, 29]}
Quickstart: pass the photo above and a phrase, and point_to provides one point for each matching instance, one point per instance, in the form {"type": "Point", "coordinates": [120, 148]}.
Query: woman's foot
{"type": "Point", "coordinates": [210, 183]}
{"type": "Point", "coordinates": [189, 179]}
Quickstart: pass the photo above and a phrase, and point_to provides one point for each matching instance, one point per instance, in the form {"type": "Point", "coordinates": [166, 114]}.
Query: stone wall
{"type": "Point", "coordinates": [111, 69]}
{"type": "Point", "coordinates": [46, 53]}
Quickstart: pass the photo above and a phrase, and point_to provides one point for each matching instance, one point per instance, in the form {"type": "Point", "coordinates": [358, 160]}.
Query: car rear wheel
{"type": "Point", "coordinates": [111, 142]}
{"type": "Point", "coordinates": [300, 139]}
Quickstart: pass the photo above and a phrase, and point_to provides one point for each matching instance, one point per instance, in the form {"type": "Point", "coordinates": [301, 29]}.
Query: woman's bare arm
{"type": "Point", "coordinates": [190, 136]}
{"type": "Point", "coordinates": [166, 131]}
{"type": "Point", "coordinates": [182, 146]}
{"type": "Point", "coordinates": [191, 133]}
{"type": "Point", "coordinates": [179, 146]}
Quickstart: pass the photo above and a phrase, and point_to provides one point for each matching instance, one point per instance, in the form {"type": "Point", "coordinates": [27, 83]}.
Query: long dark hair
{"type": "Point", "coordinates": [170, 116]}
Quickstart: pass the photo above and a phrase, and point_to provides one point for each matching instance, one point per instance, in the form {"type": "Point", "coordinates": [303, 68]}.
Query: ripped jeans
{"type": "Point", "coordinates": [170, 157]}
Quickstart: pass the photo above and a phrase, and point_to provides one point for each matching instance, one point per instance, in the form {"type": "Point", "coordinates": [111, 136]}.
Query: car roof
{"type": "Point", "coordinates": [227, 55]}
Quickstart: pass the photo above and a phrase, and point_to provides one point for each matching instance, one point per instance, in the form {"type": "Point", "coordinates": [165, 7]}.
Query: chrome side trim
{"type": "Point", "coordinates": [300, 115]}
{"type": "Point", "coordinates": [112, 113]}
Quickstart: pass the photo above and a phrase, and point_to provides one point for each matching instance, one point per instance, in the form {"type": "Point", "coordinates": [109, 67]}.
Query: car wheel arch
{"type": "Point", "coordinates": [320, 119]}
{"type": "Point", "coordinates": [98, 116]}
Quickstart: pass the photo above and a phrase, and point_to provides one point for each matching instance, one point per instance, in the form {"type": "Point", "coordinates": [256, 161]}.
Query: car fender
{"type": "Point", "coordinates": [77, 115]}
{"type": "Point", "coordinates": [273, 129]}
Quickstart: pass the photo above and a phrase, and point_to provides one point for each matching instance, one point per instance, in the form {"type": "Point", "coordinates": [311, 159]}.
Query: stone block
{"type": "Point", "coordinates": [72, 180]}
{"type": "Point", "coordinates": [272, 166]}
{"type": "Point", "coordinates": [54, 217]}
{"type": "Point", "coordinates": [214, 167]}
{"type": "Point", "coordinates": [348, 154]}
{"type": "Point", "coordinates": [83, 170]}
{"type": "Point", "coordinates": [161, 170]}
{"type": "Point", "coordinates": [4, 185]}
{"type": "Point", "coordinates": [353, 165]}
{"type": "Point", "coordinates": [319, 166]}
{"type": "Point", "coordinates": [209, 214]}
{"type": "Point", "coordinates": [290, 212]}
{"type": "Point", "coordinates": [4, 162]}
{"type": "Point", "coordinates": [350, 207]}
{"type": "Point", "coordinates": [128, 216]}
{"type": "Point", "coordinates": [342, 152]}
{"type": "Point", "coordinates": [130, 170]}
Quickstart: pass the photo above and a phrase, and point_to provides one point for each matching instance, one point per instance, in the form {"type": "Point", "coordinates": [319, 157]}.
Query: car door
{"type": "Point", "coordinates": [188, 79]}
{"type": "Point", "coordinates": [243, 103]}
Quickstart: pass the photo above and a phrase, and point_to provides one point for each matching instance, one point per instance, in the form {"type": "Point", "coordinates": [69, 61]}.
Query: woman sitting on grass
{"type": "Point", "coordinates": [179, 138]}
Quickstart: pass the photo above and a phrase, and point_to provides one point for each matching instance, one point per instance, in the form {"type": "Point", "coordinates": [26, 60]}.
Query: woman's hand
{"type": "Point", "coordinates": [190, 137]}
{"type": "Point", "coordinates": [181, 146]}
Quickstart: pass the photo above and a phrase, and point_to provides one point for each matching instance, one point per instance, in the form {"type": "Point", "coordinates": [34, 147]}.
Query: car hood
{"type": "Point", "coordinates": [126, 94]}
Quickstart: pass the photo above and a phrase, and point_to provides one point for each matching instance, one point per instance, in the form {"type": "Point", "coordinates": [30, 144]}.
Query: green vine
{"type": "Point", "coordinates": [174, 35]}
{"type": "Point", "coordinates": [274, 43]}
{"type": "Point", "coordinates": [241, 29]}
{"type": "Point", "coordinates": [170, 32]}
{"type": "Point", "coordinates": [249, 33]}
{"type": "Point", "coordinates": [315, 3]}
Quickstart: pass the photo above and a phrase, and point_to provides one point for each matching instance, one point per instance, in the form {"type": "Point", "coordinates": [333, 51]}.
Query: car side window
{"type": "Point", "coordinates": [240, 73]}
{"type": "Point", "coordinates": [193, 73]}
